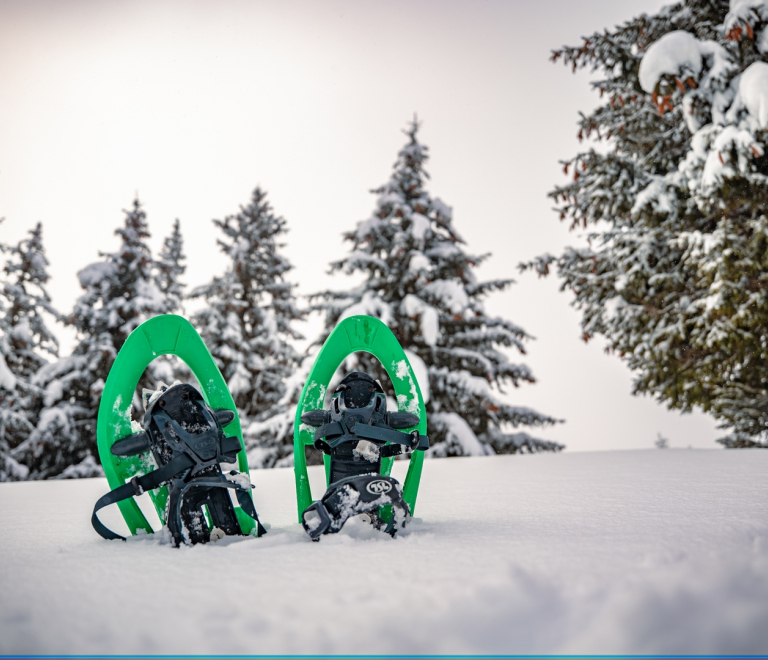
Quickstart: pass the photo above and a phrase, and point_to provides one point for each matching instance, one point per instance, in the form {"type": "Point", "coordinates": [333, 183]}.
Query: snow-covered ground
{"type": "Point", "coordinates": [611, 552]}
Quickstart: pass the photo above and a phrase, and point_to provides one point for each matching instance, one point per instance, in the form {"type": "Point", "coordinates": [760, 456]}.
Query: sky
{"type": "Point", "coordinates": [191, 105]}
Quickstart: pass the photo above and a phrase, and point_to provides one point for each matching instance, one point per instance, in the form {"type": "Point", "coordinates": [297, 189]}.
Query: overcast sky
{"type": "Point", "coordinates": [191, 105]}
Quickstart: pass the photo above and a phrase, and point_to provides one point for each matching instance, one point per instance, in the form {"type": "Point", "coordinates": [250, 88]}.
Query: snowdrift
{"type": "Point", "coordinates": [635, 552]}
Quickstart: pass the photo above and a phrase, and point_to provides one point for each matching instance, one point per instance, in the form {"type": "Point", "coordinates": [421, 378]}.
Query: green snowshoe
{"type": "Point", "coordinates": [184, 432]}
{"type": "Point", "coordinates": [358, 437]}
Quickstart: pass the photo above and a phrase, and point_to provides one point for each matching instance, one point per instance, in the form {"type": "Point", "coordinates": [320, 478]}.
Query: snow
{"type": "Point", "coordinates": [440, 207]}
{"type": "Point", "coordinates": [710, 152]}
{"type": "Point", "coordinates": [430, 324]}
{"type": "Point", "coordinates": [451, 293]}
{"type": "Point", "coordinates": [367, 451]}
{"type": "Point", "coordinates": [240, 380]}
{"type": "Point", "coordinates": [240, 478]}
{"type": "Point", "coordinates": [419, 262]}
{"type": "Point", "coordinates": [458, 432]}
{"type": "Point", "coordinates": [370, 305]}
{"type": "Point", "coordinates": [669, 55]}
{"type": "Point", "coordinates": [23, 332]}
{"type": "Point", "coordinates": [53, 393]}
{"type": "Point", "coordinates": [53, 417]}
{"type": "Point", "coordinates": [85, 469]}
{"type": "Point", "coordinates": [149, 296]}
{"type": "Point", "coordinates": [16, 469]}
{"type": "Point", "coordinates": [656, 193]}
{"type": "Point", "coordinates": [159, 390]}
{"type": "Point", "coordinates": [94, 274]}
{"type": "Point", "coordinates": [462, 380]}
{"type": "Point", "coordinates": [421, 373]}
{"type": "Point", "coordinates": [410, 402]}
{"type": "Point", "coordinates": [444, 251]}
{"type": "Point", "coordinates": [401, 369]}
{"type": "Point", "coordinates": [746, 12]}
{"type": "Point", "coordinates": [419, 226]}
{"type": "Point", "coordinates": [7, 379]}
{"type": "Point", "coordinates": [679, 53]}
{"type": "Point", "coordinates": [753, 91]}
{"type": "Point", "coordinates": [641, 552]}
{"type": "Point", "coordinates": [361, 259]}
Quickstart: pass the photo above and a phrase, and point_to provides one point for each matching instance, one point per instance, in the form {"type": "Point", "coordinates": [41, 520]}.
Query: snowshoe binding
{"type": "Point", "coordinates": [356, 434]}
{"type": "Point", "coordinates": [188, 444]}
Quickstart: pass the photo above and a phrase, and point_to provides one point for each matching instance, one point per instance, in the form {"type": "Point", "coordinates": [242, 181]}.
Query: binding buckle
{"type": "Point", "coordinates": [137, 489]}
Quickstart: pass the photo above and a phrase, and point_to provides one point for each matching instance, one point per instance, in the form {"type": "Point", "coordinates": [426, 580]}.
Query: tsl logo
{"type": "Point", "coordinates": [378, 487]}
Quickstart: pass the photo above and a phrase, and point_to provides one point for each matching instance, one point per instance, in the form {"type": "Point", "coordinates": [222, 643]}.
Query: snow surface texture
{"type": "Point", "coordinates": [642, 552]}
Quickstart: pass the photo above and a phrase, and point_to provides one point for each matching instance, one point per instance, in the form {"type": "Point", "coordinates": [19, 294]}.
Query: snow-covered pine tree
{"type": "Point", "coordinates": [25, 343]}
{"type": "Point", "coordinates": [120, 293]}
{"type": "Point", "coordinates": [675, 270]}
{"type": "Point", "coordinates": [170, 268]}
{"type": "Point", "coordinates": [420, 282]}
{"type": "Point", "coordinates": [247, 324]}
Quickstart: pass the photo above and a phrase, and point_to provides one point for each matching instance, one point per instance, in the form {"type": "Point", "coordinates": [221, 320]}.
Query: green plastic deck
{"type": "Point", "coordinates": [353, 334]}
{"type": "Point", "coordinates": [162, 335]}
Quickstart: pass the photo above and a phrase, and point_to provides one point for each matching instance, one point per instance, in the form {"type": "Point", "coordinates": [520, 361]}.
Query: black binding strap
{"type": "Point", "coordinates": [137, 486]}
{"type": "Point", "coordinates": [229, 448]}
{"type": "Point", "coordinates": [388, 434]}
{"type": "Point", "coordinates": [374, 432]}
{"type": "Point", "coordinates": [246, 503]}
{"type": "Point", "coordinates": [156, 478]}
{"type": "Point", "coordinates": [334, 428]}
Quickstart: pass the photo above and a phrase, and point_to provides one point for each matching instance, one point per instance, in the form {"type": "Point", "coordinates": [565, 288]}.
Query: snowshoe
{"type": "Point", "coordinates": [177, 455]}
{"type": "Point", "coordinates": [356, 433]}
{"type": "Point", "coordinates": [358, 437]}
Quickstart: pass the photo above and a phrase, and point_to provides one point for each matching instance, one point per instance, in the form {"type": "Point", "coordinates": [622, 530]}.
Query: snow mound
{"type": "Point", "coordinates": [669, 55]}
{"type": "Point", "coordinates": [679, 53]}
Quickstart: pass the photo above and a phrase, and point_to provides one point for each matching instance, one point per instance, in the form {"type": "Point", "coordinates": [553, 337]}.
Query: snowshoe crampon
{"type": "Point", "coordinates": [188, 434]}
{"type": "Point", "coordinates": [359, 438]}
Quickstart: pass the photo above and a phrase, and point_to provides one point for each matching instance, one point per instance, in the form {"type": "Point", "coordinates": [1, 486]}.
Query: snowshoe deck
{"type": "Point", "coordinates": [162, 335]}
{"type": "Point", "coordinates": [368, 334]}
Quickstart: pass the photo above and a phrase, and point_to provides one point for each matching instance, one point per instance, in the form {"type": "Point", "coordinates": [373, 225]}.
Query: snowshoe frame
{"type": "Point", "coordinates": [353, 334]}
{"type": "Point", "coordinates": [167, 334]}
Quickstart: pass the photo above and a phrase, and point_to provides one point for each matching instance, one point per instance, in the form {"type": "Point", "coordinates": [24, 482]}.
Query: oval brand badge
{"type": "Point", "coordinates": [206, 444]}
{"type": "Point", "coordinates": [378, 487]}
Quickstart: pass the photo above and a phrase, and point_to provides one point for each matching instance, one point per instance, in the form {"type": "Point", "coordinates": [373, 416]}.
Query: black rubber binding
{"type": "Point", "coordinates": [188, 444]}
{"type": "Point", "coordinates": [357, 432]}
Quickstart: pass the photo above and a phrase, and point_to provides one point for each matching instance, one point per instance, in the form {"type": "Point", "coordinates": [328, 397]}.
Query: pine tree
{"type": "Point", "coordinates": [169, 268]}
{"type": "Point", "coordinates": [675, 270]}
{"type": "Point", "coordinates": [420, 282]}
{"type": "Point", "coordinates": [120, 293]}
{"type": "Point", "coordinates": [25, 343]}
{"type": "Point", "coordinates": [247, 325]}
